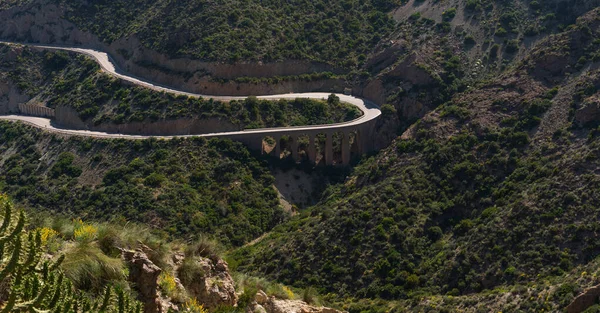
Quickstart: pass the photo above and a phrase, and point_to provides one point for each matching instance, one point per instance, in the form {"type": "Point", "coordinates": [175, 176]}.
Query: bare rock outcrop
{"type": "Point", "coordinates": [266, 304]}
{"type": "Point", "coordinates": [386, 56]}
{"type": "Point", "coordinates": [261, 297]}
{"type": "Point", "coordinates": [387, 128]}
{"type": "Point", "coordinates": [144, 274]}
{"type": "Point", "coordinates": [10, 95]}
{"type": "Point", "coordinates": [550, 64]}
{"type": "Point", "coordinates": [211, 283]}
{"type": "Point", "coordinates": [373, 90]}
{"type": "Point", "coordinates": [589, 111]}
{"type": "Point", "coordinates": [585, 300]}
{"type": "Point", "coordinates": [295, 306]}
{"type": "Point", "coordinates": [413, 70]}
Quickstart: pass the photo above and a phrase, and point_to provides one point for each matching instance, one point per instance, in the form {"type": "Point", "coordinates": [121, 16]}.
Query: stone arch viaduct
{"type": "Point", "coordinates": [354, 136]}
{"type": "Point", "coordinates": [353, 139]}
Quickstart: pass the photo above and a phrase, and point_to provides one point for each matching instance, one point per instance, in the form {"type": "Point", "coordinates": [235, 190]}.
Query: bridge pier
{"type": "Point", "coordinates": [312, 148]}
{"type": "Point", "coordinates": [328, 149]}
{"type": "Point", "coordinates": [294, 148]}
{"type": "Point", "coordinates": [277, 146]}
{"type": "Point", "coordinates": [346, 149]}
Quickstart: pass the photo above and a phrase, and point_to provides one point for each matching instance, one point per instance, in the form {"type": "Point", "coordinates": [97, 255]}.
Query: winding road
{"type": "Point", "coordinates": [369, 109]}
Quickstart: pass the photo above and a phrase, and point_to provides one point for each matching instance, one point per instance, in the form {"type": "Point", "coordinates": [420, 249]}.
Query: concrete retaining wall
{"type": "Point", "coordinates": [68, 118]}
{"type": "Point", "coordinates": [36, 110]}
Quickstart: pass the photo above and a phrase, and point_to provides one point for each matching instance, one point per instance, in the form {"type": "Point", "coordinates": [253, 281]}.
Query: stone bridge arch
{"type": "Point", "coordinates": [351, 140]}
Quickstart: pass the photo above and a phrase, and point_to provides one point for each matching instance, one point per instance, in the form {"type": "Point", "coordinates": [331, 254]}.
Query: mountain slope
{"type": "Point", "coordinates": [488, 201]}
{"type": "Point", "coordinates": [334, 32]}
{"type": "Point", "coordinates": [183, 188]}
{"type": "Point", "coordinates": [498, 186]}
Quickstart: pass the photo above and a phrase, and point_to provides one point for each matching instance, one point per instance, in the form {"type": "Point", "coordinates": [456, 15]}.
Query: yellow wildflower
{"type": "Point", "coordinates": [193, 306]}
{"type": "Point", "coordinates": [85, 232]}
{"type": "Point", "coordinates": [47, 234]}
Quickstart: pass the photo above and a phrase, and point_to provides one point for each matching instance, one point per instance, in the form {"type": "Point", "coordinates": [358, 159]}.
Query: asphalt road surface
{"type": "Point", "coordinates": [369, 109]}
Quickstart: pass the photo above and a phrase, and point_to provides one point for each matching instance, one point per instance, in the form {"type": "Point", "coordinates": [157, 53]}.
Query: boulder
{"type": "Point", "coordinates": [177, 259]}
{"type": "Point", "coordinates": [585, 300]}
{"type": "Point", "coordinates": [144, 274]}
{"type": "Point", "coordinates": [274, 305]}
{"type": "Point", "coordinates": [211, 283]}
{"type": "Point", "coordinates": [261, 297]}
{"type": "Point", "coordinates": [589, 111]}
{"type": "Point", "coordinates": [259, 309]}
{"type": "Point", "coordinates": [295, 306]}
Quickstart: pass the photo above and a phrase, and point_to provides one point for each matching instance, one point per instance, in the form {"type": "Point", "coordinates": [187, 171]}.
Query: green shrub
{"type": "Point", "coordinates": [190, 271]}
{"type": "Point", "coordinates": [512, 46]}
{"type": "Point", "coordinates": [464, 226]}
{"type": "Point", "coordinates": [388, 110]}
{"type": "Point", "coordinates": [434, 233]}
{"type": "Point", "coordinates": [469, 40]}
{"type": "Point", "coordinates": [494, 51]}
{"type": "Point", "coordinates": [64, 165]}
{"type": "Point", "coordinates": [154, 180]}
{"type": "Point", "coordinates": [501, 32]}
{"type": "Point", "coordinates": [449, 14]}
{"type": "Point", "coordinates": [472, 5]}
{"type": "Point", "coordinates": [91, 270]}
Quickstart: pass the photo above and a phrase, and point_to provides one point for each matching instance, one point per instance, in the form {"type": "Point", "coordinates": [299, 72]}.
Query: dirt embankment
{"type": "Point", "coordinates": [10, 97]}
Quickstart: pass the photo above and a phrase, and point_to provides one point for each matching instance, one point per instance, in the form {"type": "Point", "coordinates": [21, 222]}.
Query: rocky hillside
{"type": "Point", "coordinates": [495, 188]}
{"type": "Point", "coordinates": [440, 48]}
{"type": "Point", "coordinates": [388, 51]}
{"type": "Point", "coordinates": [60, 264]}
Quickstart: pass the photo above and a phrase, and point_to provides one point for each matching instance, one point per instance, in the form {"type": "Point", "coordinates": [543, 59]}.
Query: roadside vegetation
{"type": "Point", "coordinates": [72, 80]}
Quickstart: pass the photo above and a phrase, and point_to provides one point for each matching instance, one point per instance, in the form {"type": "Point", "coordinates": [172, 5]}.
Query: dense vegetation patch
{"type": "Point", "coordinates": [12, 3]}
{"type": "Point", "coordinates": [182, 187]}
{"type": "Point", "coordinates": [336, 32]}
